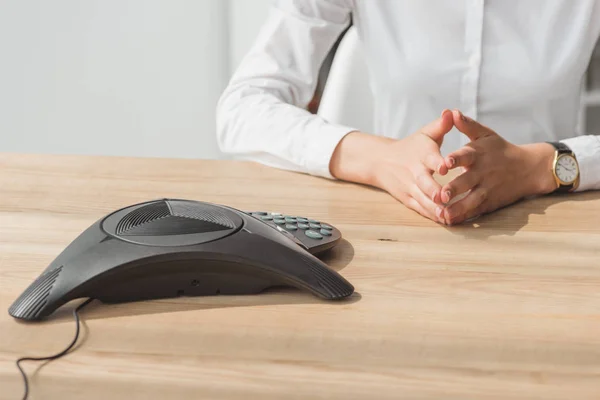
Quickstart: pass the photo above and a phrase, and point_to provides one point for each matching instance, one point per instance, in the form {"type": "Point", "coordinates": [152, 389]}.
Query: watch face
{"type": "Point", "coordinates": [566, 169]}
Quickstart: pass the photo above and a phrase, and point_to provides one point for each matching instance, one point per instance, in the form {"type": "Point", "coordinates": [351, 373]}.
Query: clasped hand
{"type": "Point", "coordinates": [495, 173]}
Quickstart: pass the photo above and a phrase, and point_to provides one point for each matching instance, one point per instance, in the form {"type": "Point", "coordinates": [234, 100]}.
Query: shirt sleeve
{"type": "Point", "coordinates": [261, 115]}
{"type": "Point", "coordinates": [587, 152]}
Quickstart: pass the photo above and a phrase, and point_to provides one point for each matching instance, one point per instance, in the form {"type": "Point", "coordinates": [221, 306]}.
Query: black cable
{"type": "Point", "coordinates": [58, 355]}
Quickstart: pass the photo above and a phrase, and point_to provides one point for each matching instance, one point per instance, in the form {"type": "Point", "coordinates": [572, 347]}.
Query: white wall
{"type": "Point", "coordinates": [119, 77]}
{"type": "Point", "coordinates": [246, 19]}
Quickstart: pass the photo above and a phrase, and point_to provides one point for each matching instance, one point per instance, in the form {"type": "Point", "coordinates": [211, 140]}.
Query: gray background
{"type": "Point", "coordinates": [119, 77]}
{"type": "Point", "coordinates": [131, 77]}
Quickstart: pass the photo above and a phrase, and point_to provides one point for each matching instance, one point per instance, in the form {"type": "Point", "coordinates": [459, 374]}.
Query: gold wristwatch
{"type": "Point", "coordinates": [565, 168]}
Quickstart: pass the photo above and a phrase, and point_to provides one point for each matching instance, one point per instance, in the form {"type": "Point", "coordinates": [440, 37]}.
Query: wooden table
{"type": "Point", "coordinates": [508, 307]}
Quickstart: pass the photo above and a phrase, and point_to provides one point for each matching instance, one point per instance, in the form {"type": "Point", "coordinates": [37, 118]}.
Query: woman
{"type": "Point", "coordinates": [513, 68]}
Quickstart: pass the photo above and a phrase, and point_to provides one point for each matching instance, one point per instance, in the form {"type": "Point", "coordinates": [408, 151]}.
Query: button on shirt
{"type": "Point", "coordinates": [516, 66]}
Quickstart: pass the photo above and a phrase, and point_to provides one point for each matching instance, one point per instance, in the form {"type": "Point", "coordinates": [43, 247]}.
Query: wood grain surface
{"type": "Point", "coordinates": [507, 306]}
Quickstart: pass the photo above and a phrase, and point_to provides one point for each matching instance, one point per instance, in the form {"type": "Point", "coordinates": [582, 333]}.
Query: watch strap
{"type": "Point", "coordinates": [561, 148]}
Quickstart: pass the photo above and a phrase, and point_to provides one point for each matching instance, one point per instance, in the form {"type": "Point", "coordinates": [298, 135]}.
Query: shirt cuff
{"type": "Point", "coordinates": [587, 152]}
{"type": "Point", "coordinates": [320, 145]}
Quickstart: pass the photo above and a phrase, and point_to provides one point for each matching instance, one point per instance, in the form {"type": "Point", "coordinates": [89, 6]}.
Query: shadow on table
{"type": "Point", "coordinates": [511, 219]}
{"type": "Point", "coordinates": [337, 258]}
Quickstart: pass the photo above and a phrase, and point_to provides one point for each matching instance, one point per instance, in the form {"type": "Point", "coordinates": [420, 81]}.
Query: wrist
{"type": "Point", "coordinates": [540, 177]}
{"type": "Point", "coordinates": [357, 157]}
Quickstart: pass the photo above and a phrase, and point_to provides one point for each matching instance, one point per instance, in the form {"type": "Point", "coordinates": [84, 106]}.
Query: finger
{"type": "Point", "coordinates": [435, 162]}
{"type": "Point", "coordinates": [473, 129]}
{"type": "Point", "coordinates": [461, 184]}
{"type": "Point", "coordinates": [437, 129]}
{"type": "Point", "coordinates": [469, 216]}
{"type": "Point", "coordinates": [478, 211]}
{"type": "Point", "coordinates": [463, 157]}
{"type": "Point", "coordinates": [429, 186]}
{"type": "Point", "coordinates": [414, 205]}
{"type": "Point", "coordinates": [472, 203]}
{"type": "Point", "coordinates": [434, 211]}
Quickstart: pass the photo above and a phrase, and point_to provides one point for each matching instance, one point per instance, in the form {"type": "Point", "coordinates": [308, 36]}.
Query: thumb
{"type": "Point", "coordinates": [473, 129]}
{"type": "Point", "coordinates": [437, 129]}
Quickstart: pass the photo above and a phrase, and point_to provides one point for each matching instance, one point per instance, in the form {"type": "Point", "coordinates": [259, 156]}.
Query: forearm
{"type": "Point", "coordinates": [356, 157]}
{"type": "Point", "coordinates": [539, 158]}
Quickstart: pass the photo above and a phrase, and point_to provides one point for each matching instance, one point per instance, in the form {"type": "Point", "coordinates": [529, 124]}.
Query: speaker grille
{"type": "Point", "coordinates": [143, 215]}
{"type": "Point", "coordinates": [189, 210]}
{"type": "Point", "coordinates": [34, 298]}
{"type": "Point", "coordinates": [173, 225]}
{"type": "Point", "coordinates": [332, 284]}
{"type": "Point", "coordinates": [167, 218]}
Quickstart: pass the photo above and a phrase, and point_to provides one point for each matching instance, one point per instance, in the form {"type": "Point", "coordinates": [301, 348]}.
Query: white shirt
{"type": "Point", "coordinates": [514, 65]}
